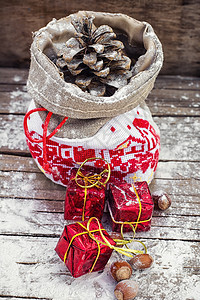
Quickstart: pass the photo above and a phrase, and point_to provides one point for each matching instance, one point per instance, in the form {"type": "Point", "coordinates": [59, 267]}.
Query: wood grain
{"type": "Point", "coordinates": [174, 96]}
{"type": "Point", "coordinates": [28, 259]}
{"type": "Point", "coordinates": [31, 206]}
{"type": "Point", "coordinates": [13, 76]}
{"type": "Point", "coordinates": [19, 76]}
{"type": "Point", "coordinates": [21, 298]}
{"type": "Point", "coordinates": [39, 187]}
{"type": "Point", "coordinates": [175, 22]}
{"type": "Point", "coordinates": [160, 101]}
{"type": "Point", "coordinates": [40, 200]}
{"type": "Point", "coordinates": [175, 144]}
{"type": "Point", "coordinates": [32, 220]}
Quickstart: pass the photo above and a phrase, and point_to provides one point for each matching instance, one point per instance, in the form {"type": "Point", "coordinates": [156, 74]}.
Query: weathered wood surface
{"type": "Point", "coordinates": [19, 76]}
{"type": "Point", "coordinates": [34, 261]}
{"type": "Point", "coordinates": [162, 100]}
{"type": "Point", "coordinates": [176, 144]}
{"type": "Point", "coordinates": [31, 206]}
{"type": "Point", "coordinates": [45, 218]}
{"type": "Point", "coordinates": [175, 22]}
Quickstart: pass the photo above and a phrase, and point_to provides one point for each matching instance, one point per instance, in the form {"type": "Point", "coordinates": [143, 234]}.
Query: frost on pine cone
{"type": "Point", "coordinates": [93, 59]}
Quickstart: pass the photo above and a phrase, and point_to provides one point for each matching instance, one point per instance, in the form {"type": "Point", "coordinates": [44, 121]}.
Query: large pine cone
{"type": "Point", "coordinates": [93, 59]}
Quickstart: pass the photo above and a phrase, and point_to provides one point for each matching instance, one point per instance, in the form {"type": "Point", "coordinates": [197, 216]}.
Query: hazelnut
{"type": "Point", "coordinates": [121, 270]}
{"type": "Point", "coordinates": [116, 236]}
{"type": "Point", "coordinates": [126, 290]}
{"type": "Point", "coordinates": [161, 200]}
{"type": "Point", "coordinates": [141, 261]}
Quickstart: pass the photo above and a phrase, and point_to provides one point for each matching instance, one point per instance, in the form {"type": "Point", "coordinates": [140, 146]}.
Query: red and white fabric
{"type": "Point", "coordinates": [129, 142]}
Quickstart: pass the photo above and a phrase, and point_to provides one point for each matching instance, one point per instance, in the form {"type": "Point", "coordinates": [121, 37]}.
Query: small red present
{"type": "Point", "coordinates": [78, 247]}
{"type": "Point", "coordinates": [130, 203]}
{"type": "Point", "coordinates": [85, 194]}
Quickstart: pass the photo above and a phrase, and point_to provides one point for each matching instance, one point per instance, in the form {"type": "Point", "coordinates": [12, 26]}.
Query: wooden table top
{"type": "Point", "coordinates": [32, 206]}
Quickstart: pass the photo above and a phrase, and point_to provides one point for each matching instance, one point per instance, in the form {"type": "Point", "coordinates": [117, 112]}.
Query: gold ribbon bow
{"type": "Point", "coordinates": [128, 252]}
{"type": "Point", "coordinates": [131, 223]}
{"type": "Point", "coordinates": [91, 180]}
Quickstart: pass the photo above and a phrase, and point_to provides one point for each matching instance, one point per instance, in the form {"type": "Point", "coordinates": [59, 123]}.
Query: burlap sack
{"type": "Point", "coordinates": [87, 114]}
{"type": "Point", "coordinates": [119, 128]}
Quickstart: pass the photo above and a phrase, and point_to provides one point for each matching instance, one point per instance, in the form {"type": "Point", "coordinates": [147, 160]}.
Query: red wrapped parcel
{"type": "Point", "coordinates": [94, 199]}
{"type": "Point", "coordinates": [124, 206]}
{"type": "Point", "coordinates": [82, 250]}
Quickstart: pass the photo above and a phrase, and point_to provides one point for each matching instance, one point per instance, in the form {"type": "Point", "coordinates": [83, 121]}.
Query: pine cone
{"type": "Point", "coordinates": [94, 59]}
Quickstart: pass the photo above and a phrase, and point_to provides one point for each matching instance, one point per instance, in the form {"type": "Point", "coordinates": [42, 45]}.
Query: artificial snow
{"type": "Point", "coordinates": [17, 78]}
{"type": "Point", "coordinates": [33, 269]}
{"type": "Point", "coordinates": [19, 101]}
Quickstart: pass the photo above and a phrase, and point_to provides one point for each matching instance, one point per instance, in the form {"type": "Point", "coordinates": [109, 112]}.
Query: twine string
{"type": "Point", "coordinates": [90, 181]}
{"type": "Point", "coordinates": [131, 224]}
{"type": "Point", "coordinates": [128, 252]}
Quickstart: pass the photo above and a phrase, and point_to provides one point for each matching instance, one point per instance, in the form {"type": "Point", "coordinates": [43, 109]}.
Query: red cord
{"type": "Point", "coordinates": [26, 125]}
{"type": "Point", "coordinates": [44, 139]}
{"type": "Point", "coordinates": [46, 166]}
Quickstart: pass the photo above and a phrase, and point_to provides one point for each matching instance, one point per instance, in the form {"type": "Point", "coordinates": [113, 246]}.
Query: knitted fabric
{"type": "Point", "coordinates": [130, 142]}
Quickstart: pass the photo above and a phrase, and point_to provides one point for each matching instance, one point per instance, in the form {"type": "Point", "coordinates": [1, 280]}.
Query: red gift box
{"type": "Point", "coordinates": [124, 205]}
{"type": "Point", "coordinates": [79, 250]}
{"type": "Point", "coordinates": [81, 204]}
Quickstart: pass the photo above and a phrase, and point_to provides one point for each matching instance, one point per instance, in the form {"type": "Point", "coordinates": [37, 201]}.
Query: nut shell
{"type": "Point", "coordinates": [126, 290]}
{"type": "Point", "coordinates": [121, 270]}
{"type": "Point", "coordinates": [115, 235]}
{"type": "Point", "coordinates": [161, 200]}
{"type": "Point", "coordinates": [141, 261]}
{"type": "Point", "coordinates": [164, 202]}
{"type": "Point", "coordinates": [118, 236]}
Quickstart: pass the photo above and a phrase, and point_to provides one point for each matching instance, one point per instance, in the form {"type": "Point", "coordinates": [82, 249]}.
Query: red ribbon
{"type": "Point", "coordinates": [45, 137]}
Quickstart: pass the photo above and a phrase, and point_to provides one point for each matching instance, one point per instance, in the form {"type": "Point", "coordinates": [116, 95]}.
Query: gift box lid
{"type": "Point", "coordinates": [83, 241]}
{"type": "Point", "coordinates": [129, 196]}
{"type": "Point", "coordinates": [87, 171]}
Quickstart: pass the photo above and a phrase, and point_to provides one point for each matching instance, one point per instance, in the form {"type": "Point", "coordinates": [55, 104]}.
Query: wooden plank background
{"type": "Point", "coordinates": [31, 206]}
{"type": "Point", "coordinates": [176, 22]}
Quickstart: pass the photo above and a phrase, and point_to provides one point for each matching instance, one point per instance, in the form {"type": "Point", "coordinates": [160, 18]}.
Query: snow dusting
{"type": "Point", "coordinates": [33, 269]}
{"type": "Point", "coordinates": [37, 271]}
{"type": "Point", "coordinates": [184, 97]}
{"type": "Point", "coordinates": [17, 78]}
{"type": "Point", "coordinates": [11, 133]}
{"type": "Point", "coordinates": [19, 101]}
{"type": "Point", "coordinates": [31, 212]}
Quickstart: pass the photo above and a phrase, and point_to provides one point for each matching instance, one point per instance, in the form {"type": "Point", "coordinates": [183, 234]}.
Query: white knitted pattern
{"type": "Point", "coordinates": [130, 142]}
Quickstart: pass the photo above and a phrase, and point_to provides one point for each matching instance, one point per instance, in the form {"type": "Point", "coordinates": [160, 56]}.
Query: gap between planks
{"type": "Point", "coordinates": [142, 238]}
{"type": "Point", "coordinates": [8, 297]}
{"type": "Point", "coordinates": [179, 137]}
{"type": "Point", "coordinates": [168, 255]}
{"type": "Point", "coordinates": [15, 76]}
